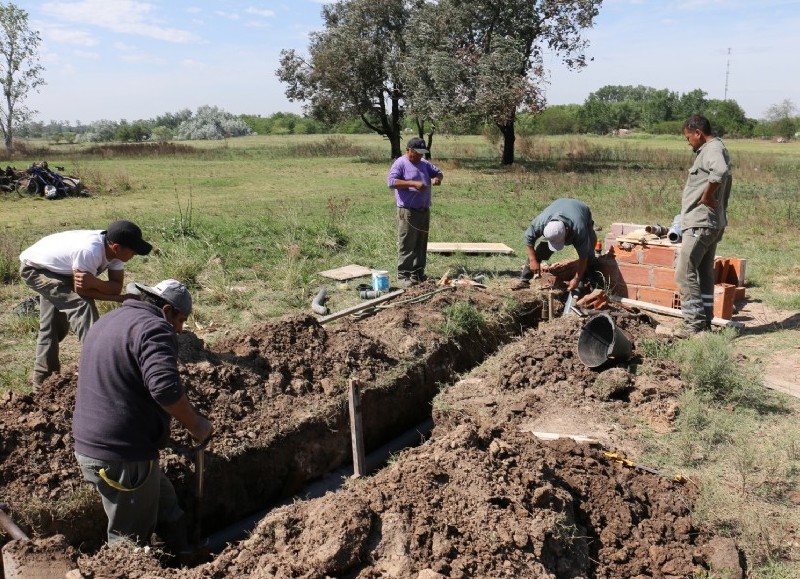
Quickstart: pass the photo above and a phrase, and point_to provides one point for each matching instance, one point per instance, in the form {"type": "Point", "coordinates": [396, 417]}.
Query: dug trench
{"type": "Point", "coordinates": [484, 497]}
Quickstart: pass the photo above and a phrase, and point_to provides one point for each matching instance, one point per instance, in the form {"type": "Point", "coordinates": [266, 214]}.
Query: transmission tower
{"type": "Point", "coordinates": [727, 74]}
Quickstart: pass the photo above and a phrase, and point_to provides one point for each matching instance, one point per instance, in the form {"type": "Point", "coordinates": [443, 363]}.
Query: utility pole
{"type": "Point", "coordinates": [727, 74]}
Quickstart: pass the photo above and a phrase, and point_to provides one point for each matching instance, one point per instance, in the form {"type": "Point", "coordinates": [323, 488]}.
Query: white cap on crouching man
{"type": "Point", "coordinates": [556, 233]}
{"type": "Point", "coordinates": [171, 291]}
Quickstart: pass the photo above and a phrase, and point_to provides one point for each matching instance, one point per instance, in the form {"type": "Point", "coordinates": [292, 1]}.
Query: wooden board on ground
{"type": "Point", "coordinates": [647, 306]}
{"type": "Point", "coordinates": [347, 272]}
{"type": "Point", "coordinates": [472, 248]}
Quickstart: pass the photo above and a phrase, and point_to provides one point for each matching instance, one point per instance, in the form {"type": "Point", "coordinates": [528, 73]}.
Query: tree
{"type": "Point", "coordinates": [211, 123]}
{"type": "Point", "coordinates": [352, 68]}
{"type": "Point", "coordinates": [780, 117]}
{"type": "Point", "coordinates": [484, 57]}
{"type": "Point", "coordinates": [553, 120]}
{"type": "Point", "coordinates": [728, 118]}
{"type": "Point", "coordinates": [692, 103]}
{"type": "Point", "coordinates": [20, 71]}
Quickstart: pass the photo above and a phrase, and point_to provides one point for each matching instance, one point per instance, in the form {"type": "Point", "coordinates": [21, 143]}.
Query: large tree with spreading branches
{"type": "Point", "coordinates": [485, 57]}
{"type": "Point", "coordinates": [353, 66]}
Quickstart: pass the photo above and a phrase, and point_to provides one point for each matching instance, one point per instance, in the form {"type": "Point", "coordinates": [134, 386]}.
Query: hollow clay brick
{"type": "Point", "coordinates": [736, 274]}
{"type": "Point", "coordinates": [636, 274]}
{"type": "Point", "coordinates": [660, 255]}
{"type": "Point", "coordinates": [723, 300]}
{"type": "Point", "coordinates": [657, 296]}
{"type": "Point", "coordinates": [664, 278]}
{"type": "Point", "coordinates": [623, 255]}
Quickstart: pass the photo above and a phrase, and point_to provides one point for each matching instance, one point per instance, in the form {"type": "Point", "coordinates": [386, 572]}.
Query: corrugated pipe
{"type": "Point", "coordinates": [318, 305]}
{"type": "Point", "coordinates": [675, 233]}
{"type": "Point", "coordinates": [659, 230]}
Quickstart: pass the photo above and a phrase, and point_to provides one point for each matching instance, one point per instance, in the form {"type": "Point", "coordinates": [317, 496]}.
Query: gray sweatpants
{"type": "Point", "coordinates": [694, 274]}
{"type": "Point", "coordinates": [60, 309]}
{"type": "Point", "coordinates": [412, 242]}
{"type": "Point", "coordinates": [136, 495]}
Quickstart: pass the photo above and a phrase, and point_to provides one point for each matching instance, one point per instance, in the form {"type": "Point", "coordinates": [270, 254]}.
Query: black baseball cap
{"type": "Point", "coordinates": [128, 234]}
{"type": "Point", "coordinates": [418, 145]}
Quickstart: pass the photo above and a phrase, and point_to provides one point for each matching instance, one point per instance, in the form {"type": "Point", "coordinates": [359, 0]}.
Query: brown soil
{"type": "Point", "coordinates": [484, 497]}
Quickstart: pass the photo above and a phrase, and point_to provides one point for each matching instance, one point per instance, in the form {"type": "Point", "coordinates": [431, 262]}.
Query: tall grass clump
{"type": "Point", "coordinates": [9, 257]}
{"type": "Point", "coordinates": [460, 318]}
{"type": "Point", "coordinates": [330, 146]}
{"type": "Point", "coordinates": [708, 365]}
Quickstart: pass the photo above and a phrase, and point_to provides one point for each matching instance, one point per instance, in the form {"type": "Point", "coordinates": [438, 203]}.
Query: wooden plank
{"type": "Point", "coordinates": [356, 430]}
{"type": "Point", "coordinates": [359, 307]}
{"type": "Point", "coordinates": [448, 247]}
{"type": "Point", "coordinates": [347, 272]}
{"type": "Point", "coordinates": [671, 311]}
{"type": "Point", "coordinates": [558, 435]}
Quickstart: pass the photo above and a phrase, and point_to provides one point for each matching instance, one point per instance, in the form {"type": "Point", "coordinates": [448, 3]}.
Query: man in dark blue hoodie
{"type": "Point", "coordinates": [128, 389]}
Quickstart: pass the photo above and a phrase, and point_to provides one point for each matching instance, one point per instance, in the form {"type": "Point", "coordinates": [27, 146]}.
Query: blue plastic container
{"type": "Point", "coordinates": [380, 280]}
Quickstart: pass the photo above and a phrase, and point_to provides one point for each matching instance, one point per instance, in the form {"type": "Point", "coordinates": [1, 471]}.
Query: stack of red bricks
{"type": "Point", "coordinates": [645, 271]}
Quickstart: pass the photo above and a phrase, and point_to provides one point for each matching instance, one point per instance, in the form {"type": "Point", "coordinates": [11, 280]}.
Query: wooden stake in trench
{"type": "Point", "coordinates": [356, 432]}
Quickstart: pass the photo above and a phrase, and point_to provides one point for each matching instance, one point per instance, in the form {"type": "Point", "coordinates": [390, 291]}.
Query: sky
{"type": "Point", "coordinates": [132, 59]}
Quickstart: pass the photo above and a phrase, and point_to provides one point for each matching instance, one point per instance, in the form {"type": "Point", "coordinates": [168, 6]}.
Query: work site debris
{"type": "Point", "coordinates": [39, 180]}
{"type": "Point", "coordinates": [461, 280]}
{"type": "Point", "coordinates": [594, 300]}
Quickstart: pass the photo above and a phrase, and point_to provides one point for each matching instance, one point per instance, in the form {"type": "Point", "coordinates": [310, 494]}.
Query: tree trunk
{"type": "Point", "coordinates": [508, 143]}
{"type": "Point", "coordinates": [8, 127]}
{"type": "Point", "coordinates": [397, 129]}
{"type": "Point", "coordinates": [394, 139]}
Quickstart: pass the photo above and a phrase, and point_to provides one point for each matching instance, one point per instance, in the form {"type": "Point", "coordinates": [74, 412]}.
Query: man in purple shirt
{"type": "Point", "coordinates": [411, 177]}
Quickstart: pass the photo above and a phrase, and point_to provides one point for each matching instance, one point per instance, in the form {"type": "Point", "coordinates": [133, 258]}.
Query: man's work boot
{"type": "Point", "coordinates": [174, 534]}
{"type": "Point", "coordinates": [520, 284]}
{"type": "Point", "coordinates": [683, 331]}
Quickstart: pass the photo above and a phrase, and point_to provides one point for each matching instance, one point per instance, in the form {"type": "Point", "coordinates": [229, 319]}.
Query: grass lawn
{"type": "Point", "coordinates": [247, 223]}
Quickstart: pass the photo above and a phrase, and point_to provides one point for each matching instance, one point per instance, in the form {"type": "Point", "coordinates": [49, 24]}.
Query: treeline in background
{"type": "Point", "coordinates": [609, 110]}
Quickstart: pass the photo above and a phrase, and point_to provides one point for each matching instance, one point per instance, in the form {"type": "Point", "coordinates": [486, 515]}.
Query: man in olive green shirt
{"type": "Point", "coordinates": [703, 221]}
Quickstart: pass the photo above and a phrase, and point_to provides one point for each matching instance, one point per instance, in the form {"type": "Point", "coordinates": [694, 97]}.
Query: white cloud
{"type": "Point", "coordinates": [121, 16]}
{"type": "Point", "coordinates": [260, 12]}
{"type": "Point", "coordinates": [228, 15]}
{"type": "Point", "coordinates": [121, 46]}
{"type": "Point", "coordinates": [141, 57]}
{"type": "Point", "coordinates": [66, 35]}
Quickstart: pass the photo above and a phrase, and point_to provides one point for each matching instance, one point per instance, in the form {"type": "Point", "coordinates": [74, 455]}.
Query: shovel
{"type": "Point", "coordinates": [571, 299]}
{"type": "Point", "coordinates": [199, 468]}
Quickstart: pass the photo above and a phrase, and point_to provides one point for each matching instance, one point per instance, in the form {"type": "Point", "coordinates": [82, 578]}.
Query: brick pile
{"type": "Point", "coordinates": [646, 272]}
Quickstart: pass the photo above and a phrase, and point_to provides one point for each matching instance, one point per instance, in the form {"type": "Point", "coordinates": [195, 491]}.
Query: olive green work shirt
{"type": "Point", "coordinates": [711, 165]}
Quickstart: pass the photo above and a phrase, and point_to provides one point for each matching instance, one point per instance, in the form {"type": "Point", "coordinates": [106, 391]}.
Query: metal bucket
{"type": "Point", "coordinates": [601, 340]}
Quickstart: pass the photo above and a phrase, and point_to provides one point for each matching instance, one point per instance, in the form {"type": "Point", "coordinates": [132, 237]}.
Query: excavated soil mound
{"type": "Point", "coordinates": [470, 503]}
{"type": "Point", "coordinates": [485, 497]}
{"type": "Point", "coordinates": [254, 387]}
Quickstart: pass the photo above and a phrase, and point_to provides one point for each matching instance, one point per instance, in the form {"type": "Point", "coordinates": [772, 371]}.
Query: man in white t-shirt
{"type": "Point", "coordinates": [63, 269]}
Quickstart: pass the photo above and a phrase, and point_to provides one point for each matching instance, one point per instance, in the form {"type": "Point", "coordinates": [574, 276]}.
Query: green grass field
{"type": "Point", "coordinates": [247, 224]}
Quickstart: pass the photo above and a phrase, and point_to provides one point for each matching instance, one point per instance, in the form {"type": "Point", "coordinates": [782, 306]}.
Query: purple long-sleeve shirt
{"type": "Point", "coordinates": [423, 171]}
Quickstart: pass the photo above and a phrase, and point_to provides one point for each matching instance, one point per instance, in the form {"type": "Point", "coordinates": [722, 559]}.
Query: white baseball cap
{"type": "Point", "coordinates": [173, 292]}
{"type": "Point", "coordinates": [556, 233]}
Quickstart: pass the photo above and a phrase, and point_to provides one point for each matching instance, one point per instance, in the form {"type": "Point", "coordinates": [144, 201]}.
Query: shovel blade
{"type": "Point", "coordinates": [568, 305]}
